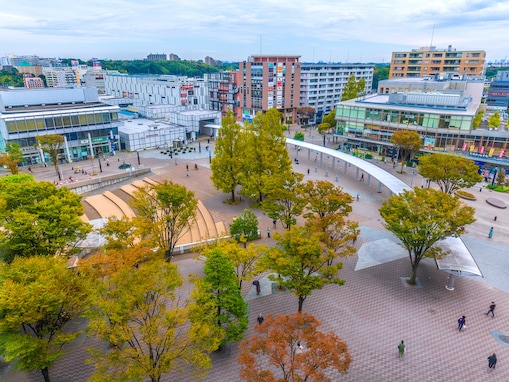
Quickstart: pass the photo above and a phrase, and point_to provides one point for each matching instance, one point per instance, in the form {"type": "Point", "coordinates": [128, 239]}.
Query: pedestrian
{"type": "Point", "coordinates": [492, 361]}
{"type": "Point", "coordinates": [268, 232]}
{"type": "Point", "coordinates": [30, 170]}
{"type": "Point", "coordinates": [358, 196]}
{"type": "Point", "coordinates": [187, 167]}
{"type": "Point", "coordinates": [362, 177]}
{"type": "Point", "coordinates": [401, 349]}
{"type": "Point", "coordinates": [107, 162]}
{"type": "Point", "coordinates": [308, 171]}
{"type": "Point", "coordinates": [461, 323]}
{"type": "Point", "coordinates": [195, 166]}
{"type": "Point", "coordinates": [260, 319]}
{"type": "Point", "coordinates": [299, 347]}
{"type": "Point", "coordinates": [492, 310]}
{"type": "Point", "coordinates": [274, 222]}
{"type": "Point", "coordinates": [490, 234]}
{"type": "Point", "coordinates": [208, 140]}
{"type": "Point", "coordinates": [256, 283]}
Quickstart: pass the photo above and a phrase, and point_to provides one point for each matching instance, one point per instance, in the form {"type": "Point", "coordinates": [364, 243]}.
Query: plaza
{"type": "Point", "coordinates": [374, 310]}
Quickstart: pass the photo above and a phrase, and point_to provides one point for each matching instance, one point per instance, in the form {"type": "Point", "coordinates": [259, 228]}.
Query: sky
{"type": "Point", "coordinates": [227, 30]}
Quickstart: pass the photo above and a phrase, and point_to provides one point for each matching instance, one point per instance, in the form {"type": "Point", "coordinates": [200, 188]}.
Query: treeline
{"type": "Point", "coordinates": [181, 68]}
{"type": "Point", "coordinates": [11, 78]}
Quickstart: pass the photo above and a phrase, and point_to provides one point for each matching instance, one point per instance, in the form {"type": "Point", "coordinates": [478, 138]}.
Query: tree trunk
{"type": "Point", "coordinates": [412, 278]}
{"type": "Point", "coordinates": [45, 374]}
{"type": "Point", "coordinates": [168, 255]}
{"type": "Point", "coordinates": [233, 196]}
{"type": "Point", "coordinates": [301, 302]}
{"type": "Point", "coordinates": [324, 139]}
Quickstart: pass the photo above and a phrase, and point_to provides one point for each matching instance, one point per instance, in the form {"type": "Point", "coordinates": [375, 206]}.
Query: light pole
{"type": "Point", "coordinates": [316, 162]}
{"type": "Point", "coordinates": [337, 171]}
{"type": "Point", "coordinates": [100, 166]}
{"type": "Point", "coordinates": [412, 180]}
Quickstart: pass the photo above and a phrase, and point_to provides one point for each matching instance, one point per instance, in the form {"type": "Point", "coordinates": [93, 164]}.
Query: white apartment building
{"type": "Point", "coordinates": [321, 84]}
{"type": "Point", "coordinates": [192, 93]}
{"type": "Point", "coordinates": [60, 77]}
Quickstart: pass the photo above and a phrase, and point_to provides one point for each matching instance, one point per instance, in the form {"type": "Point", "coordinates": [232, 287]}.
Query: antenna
{"type": "Point", "coordinates": [432, 34]}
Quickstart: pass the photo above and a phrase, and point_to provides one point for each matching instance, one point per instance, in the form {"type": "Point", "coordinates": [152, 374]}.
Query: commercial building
{"type": "Point", "coordinates": [268, 81]}
{"type": "Point", "coordinates": [429, 61]}
{"type": "Point", "coordinates": [322, 85]}
{"type": "Point", "coordinates": [89, 127]}
{"type": "Point", "coordinates": [222, 91]}
{"type": "Point", "coordinates": [443, 118]}
{"type": "Point", "coordinates": [60, 77]}
{"type": "Point", "coordinates": [498, 93]}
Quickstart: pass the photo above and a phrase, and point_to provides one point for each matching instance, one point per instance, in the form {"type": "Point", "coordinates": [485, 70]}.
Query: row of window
{"type": "Point", "coordinates": [59, 122]}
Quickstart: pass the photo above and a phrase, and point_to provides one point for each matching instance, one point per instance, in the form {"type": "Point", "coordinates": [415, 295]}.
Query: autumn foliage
{"type": "Point", "coordinates": [273, 353]}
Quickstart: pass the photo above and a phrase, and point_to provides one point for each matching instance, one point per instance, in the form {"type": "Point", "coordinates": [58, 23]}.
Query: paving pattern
{"type": "Point", "coordinates": [374, 310]}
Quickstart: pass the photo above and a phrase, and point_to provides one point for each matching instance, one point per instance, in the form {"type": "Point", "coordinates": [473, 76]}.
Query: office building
{"type": "Point", "coordinates": [322, 85]}
{"type": "Point", "coordinates": [429, 61]}
{"type": "Point", "coordinates": [89, 127]}
{"type": "Point", "coordinates": [268, 81]}
{"type": "Point", "coordinates": [443, 118]}
{"type": "Point", "coordinates": [498, 93]}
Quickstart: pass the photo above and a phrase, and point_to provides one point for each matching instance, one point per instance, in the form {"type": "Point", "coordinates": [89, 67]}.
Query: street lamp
{"type": "Point", "coordinates": [100, 167]}
{"type": "Point", "coordinates": [412, 180]}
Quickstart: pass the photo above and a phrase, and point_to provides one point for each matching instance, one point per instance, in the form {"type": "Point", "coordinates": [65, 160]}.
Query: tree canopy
{"type": "Point", "coordinates": [494, 120]}
{"type": "Point", "coordinates": [421, 217]}
{"type": "Point", "coordinates": [450, 172]}
{"type": "Point", "coordinates": [292, 348]}
{"type": "Point", "coordinates": [180, 68]}
{"type": "Point", "coordinates": [301, 263]}
{"type": "Point", "coordinates": [408, 142]}
{"type": "Point", "coordinates": [38, 218]}
{"type": "Point", "coordinates": [351, 89]}
{"type": "Point", "coordinates": [245, 227]}
{"type": "Point", "coordinates": [38, 296]}
{"type": "Point", "coordinates": [51, 144]}
{"type": "Point", "coordinates": [12, 157]}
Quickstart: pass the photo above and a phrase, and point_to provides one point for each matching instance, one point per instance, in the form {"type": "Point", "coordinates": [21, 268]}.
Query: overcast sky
{"type": "Point", "coordinates": [227, 30]}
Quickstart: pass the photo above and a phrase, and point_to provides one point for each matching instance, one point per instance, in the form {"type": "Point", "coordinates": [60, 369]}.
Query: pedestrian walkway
{"type": "Point", "coordinates": [374, 310]}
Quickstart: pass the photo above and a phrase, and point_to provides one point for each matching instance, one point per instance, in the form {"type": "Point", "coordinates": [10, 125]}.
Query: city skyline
{"type": "Point", "coordinates": [329, 31]}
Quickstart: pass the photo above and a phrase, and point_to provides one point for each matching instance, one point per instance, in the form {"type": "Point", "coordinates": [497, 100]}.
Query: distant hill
{"type": "Point", "coordinates": [179, 68]}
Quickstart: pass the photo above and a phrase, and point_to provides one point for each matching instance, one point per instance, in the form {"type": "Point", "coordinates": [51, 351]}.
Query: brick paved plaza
{"type": "Point", "coordinates": [374, 310]}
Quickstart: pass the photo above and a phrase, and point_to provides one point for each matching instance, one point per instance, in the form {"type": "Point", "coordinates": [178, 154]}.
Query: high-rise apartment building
{"type": "Point", "coordinates": [429, 61]}
{"type": "Point", "coordinates": [157, 57]}
{"type": "Point", "coordinates": [322, 85]}
{"type": "Point", "coordinates": [268, 81]}
{"type": "Point", "coordinates": [222, 91]}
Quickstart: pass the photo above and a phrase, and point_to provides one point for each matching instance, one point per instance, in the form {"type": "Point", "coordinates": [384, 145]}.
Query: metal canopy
{"type": "Point", "coordinates": [459, 261]}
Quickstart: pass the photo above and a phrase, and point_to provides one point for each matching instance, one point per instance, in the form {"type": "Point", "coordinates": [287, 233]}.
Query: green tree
{"type": "Point", "coordinates": [478, 119]}
{"type": "Point", "coordinates": [38, 218]}
{"type": "Point", "coordinates": [421, 217]}
{"type": "Point", "coordinates": [323, 129]}
{"type": "Point", "coordinates": [283, 202]}
{"type": "Point", "coordinates": [38, 296]}
{"type": "Point", "coordinates": [361, 86]}
{"type": "Point", "coordinates": [408, 142]}
{"type": "Point", "coordinates": [51, 144]}
{"type": "Point", "coordinates": [351, 89]}
{"type": "Point", "coordinates": [301, 263]}
{"type": "Point", "coordinates": [244, 260]}
{"type": "Point", "coordinates": [380, 73]}
{"type": "Point", "coordinates": [330, 118]}
{"type": "Point", "coordinates": [324, 198]}
{"type": "Point", "coordinates": [294, 345]}
{"type": "Point", "coordinates": [245, 227]}
{"type": "Point", "coordinates": [450, 172]}
{"type": "Point", "coordinates": [501, 177]}
{"type": "Point", "coordinates": [139, 314]}
{"type": "Point", "coordinates": [226, 165]}
{"type": "Point", "coordinates": [12, 157]}
{"type": "Point", "coordinates": [265, 153]}
{"type": "Point", "coordinates": [218, 297]}
{"type": "Point", "coordinates": [494, 120]}
{"type": "Point", "coordinates": [165, 210]}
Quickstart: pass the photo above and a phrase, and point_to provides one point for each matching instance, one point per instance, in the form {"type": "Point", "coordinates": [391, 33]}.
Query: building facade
{"type": "Point", "coordinates": [32, 82]}
{"type": "Point", "coordinates": [498, 93]}
{"type": "Point", "coordinates": [157, 57]}
{"type": "Point", "coordinates": [429, 61]}
{"type": "Point", "coordinates": [60, 77]}
{"type": "Point", "coordinates": [89, 127]}
{"type": "Point", "coordinates": [322, 85]}
{"type": "Point", "coordinates": [442, 118]}
{"type": "Point", "coordinates": [222, 91]}
{"type": "Point", "coordinates": [268, 81]}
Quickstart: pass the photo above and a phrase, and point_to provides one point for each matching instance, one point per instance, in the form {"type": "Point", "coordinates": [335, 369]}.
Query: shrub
{"type": "Point", "coordinates": [465, 195]}
{"type": "Point", "coordinates": [299, 136]}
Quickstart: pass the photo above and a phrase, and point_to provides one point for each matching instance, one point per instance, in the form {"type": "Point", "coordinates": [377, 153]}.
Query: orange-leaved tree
{"type": "Point", "coordinates": [291, 348]}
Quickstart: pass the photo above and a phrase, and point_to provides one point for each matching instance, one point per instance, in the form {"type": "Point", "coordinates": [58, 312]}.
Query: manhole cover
{"type": "Point", "coordinates": [504, 338]}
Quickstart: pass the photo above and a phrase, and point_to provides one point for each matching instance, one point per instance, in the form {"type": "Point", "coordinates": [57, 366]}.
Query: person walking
{"type": "Point", "coordinates": [461, 323]}
{"type": "Point", "coordinates": [260, 319]}
{"type": "Point", "coordinates": [268, 232]}
{"type": "Point", "coordinates": [490, 234]}
{"type": "Point", "coordinates": [492, 361]}
{"type": "Point", "coordinates": [401, 349]}
{"type": "Point", "coordinates": [256, 283]}
{"type": "Point", "coordinates": [492, 310]}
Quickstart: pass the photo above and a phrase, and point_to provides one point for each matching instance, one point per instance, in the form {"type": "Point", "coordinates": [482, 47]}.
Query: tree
{"type": "Point", "coordinates": [218, 297]}
{"type": "Point", "coordinates": [478, 119]}
{"type": "Point", "coordinates": [501, 177]}
{"type": "Point", "coordinates": [323, 129]}
{"type": "Point", "coordinates": [294, 345]}
{"type": "Point", "coordinates": [12, 157]}
{"type": "Point", "coordinates": [265, 153]}
{"type": "Point", "coordinates": [361, 86]}
{"type": "Point", "coordinates": [226, 165]}
{"type": "Point", "coordinates": [139, 314]}
{"type": "Point", "coordinates": [324, 198]}
{"type": "Point", "coordinates": [450, 172]}
{"type": "Point", "coordinates": [122, 233]}
{"type": "Point", "coordinates": [38, 296]}
{"type": "Point", "coordinates": [283, 202]}
{"type": "Point", "coordinates": [167, 209]}
{"type": "Point", "coordinates": [421, 217]}
{"type": "Point", "coordinates": [408, 143]}
{"type": "Point", "coordinates": [245, 227]}
{"type": "Point", "coordinates": [494, 120]}
{"type": "Point", "coordinates": [243, 260]}
{"type": "Point", "coordinates": [381, 72]}
{"type": "Point", "coordinates": [51, 144]}
{"type": "Point", "coordinates": [39, 219]}
{"type": "Point", "coordinates": [301, 263]}
{"type": "Point", "coordinates": [351, 89]}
